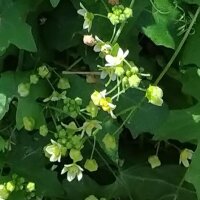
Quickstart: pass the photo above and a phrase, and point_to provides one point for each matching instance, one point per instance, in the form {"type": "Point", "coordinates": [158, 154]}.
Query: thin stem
{"type": "Point", "coordinates": [99, 15]}
{"type": "Point", "coordinates": [117, 95]}
{"type": "Point", "coordinates": [114, 88]}
{"type": "Point", "coordinates": [118, 32]}
{"type": "Point", "coordinates": [157, 148]}
{"type": "Point", "coordinates": [82, 73]}
{"type": "Point", "coordinates": [161, 12]}
{"type": "Point", "coordinates": [74, 64]}
{"type": "Point", "coordinates": [93, 148]}
{"type": "Point", "coordinates": [50, 84]}
{"type": "Point", "coordinates": [131, 4]}
{"type": "Point", "coordinates": [106, 7]}
{"type": "Point", "coordinates": [178, 48]}
{"type": "Point", "coordinates": [113, 35]}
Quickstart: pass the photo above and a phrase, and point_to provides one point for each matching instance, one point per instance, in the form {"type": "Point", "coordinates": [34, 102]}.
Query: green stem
{"type": "Point", "coordinates": [113, 35]}
{"type": "Point", "coordinates": [82, 73]}
{"type": "Point", "coordinates": [178, 48]}
{"type": "Point", "coordinates": [93, 148]}
{"type": "Point", "coordinates": [106, 7]}
{"type": "Point", "coordinates": [118, 32]}
{"type": "Point", "coordinates": [74, 64]}
{"type": "Point", "coordinates": [99, 15]}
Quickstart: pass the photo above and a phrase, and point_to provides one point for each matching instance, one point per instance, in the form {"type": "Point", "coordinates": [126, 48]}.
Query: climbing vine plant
{"type": "Point", "coordinates": [99, 99]}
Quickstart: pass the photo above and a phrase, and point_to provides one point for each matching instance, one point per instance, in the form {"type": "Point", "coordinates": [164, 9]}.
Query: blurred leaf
{"type": "Point", "coordinates": [193, 173]}
{"type": "Point", "coordinates": [193, 1]}
{"type": "Point", "coordinates": [54, 3]}
{"type": "Point", "coordinates": [190, 54]}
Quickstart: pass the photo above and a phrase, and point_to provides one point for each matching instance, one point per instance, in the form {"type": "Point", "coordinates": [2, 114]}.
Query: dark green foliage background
{"type": "Point", "coordinates": [43, 31]}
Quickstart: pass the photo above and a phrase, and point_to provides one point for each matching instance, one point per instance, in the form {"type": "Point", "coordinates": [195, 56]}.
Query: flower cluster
{"type": "Point", "coordinates": [17, 184]}
{"type": "Point", "coordinates": [69, 141]}
{"type": "Point", "coordinates": [119, 14]}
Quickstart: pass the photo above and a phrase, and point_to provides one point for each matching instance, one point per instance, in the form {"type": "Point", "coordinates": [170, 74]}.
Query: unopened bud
{"type": "Point", "coordinates": [88, 40]}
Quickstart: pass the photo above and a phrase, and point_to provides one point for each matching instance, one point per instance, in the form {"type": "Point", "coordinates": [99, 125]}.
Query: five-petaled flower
{"type": "Point", "coordinates": [54, 151]}
{"type": "Point", "coordinates": [116, 60]}
{"type": "Point", "coordinates": [88, 17]}
{"type": "Point", "coordinates": [185, 155]}
{"type": "Point", "coordinates": [73, 170]}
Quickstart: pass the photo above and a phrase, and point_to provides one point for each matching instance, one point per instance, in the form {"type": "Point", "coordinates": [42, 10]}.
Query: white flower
{"type": "Point", "coordinates": [73, 170]}
{"type": "Point", "coordinates": [110, 72]}
{"type": "Point", "coordinates": [101, 46]}
{"type": "Point", "coordinates": [116, 60]}
{"type": "Point", "coordinates": [54, 151]}
{"type": "Point", "coordinates": [88, 17]}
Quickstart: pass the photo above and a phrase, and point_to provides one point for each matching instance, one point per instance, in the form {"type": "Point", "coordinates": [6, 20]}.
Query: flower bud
{"type": "Point", "coordinates": [109, 142]}
{"type": "Point", "coordinates": [89, 40]}
{"type": "Point", "coordinates": [154, 94]}
{"type": "Point", "coordinates": [34, 79]}
{"type": "Point", "coordinates": [154, 161]}
{"type": "Point", "coordinates": [43, 130]}
{"type": "Point", "coordinates": [91, 165]}
{"type": "Point", "coordinates": [30, 187]}
{"type": "Point", "coordinates": [134, 81]}
{"type": "Point", "coordinates": [10, 186]}
{"type": "Point", "coordinates": [75, 155]}
{"type": "Point", "coordinates": [24, 89]}
{"type": "Point", "coordinates": [29, 123]}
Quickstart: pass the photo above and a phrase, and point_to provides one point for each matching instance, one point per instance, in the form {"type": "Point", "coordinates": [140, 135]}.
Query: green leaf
{"type": "Point", "coordinates": [145, 183]}
{"type": "Point", "coordinates": [157, 29]}
{"type": "Point", "coordinates": [13, 14]}
{"type": "Point", "coordinates": [54, 3]}
{"type": "Point", "coordinates": [65, 20]}
{"type": "Point", "coordinates": [193, 173]}
{"type": "Point", "coordinates": [184, 124]}
{"type": "Point", "coordinates": [27, 106]}
{"type": "Point", "coordinates": [190, 54]}
{"type": "Point", "coordinates": [145, 117]}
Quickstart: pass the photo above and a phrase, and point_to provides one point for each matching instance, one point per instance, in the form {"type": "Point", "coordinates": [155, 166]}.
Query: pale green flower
{"type": "Point", "coordinates": [91, 165]}
{"type": "Point", "coordinates": [30, 187]}
{"type": "Point", "coordinates": [34, 79]}
{"type": "Point", "coordinates": [134, 81]}
{"type": "Point", "coordinates": [73, 170]}
{"type": "Point", "coordinates": [10, 186]}
{"type": "Point", "coordinates": [185, 155]}
{"type": "Point", "coordinates": [109, 142]}
{"type": "Point", "coordinates": [4, 193]}
{"type": "Point", "coordinates": [44, 72]}
{"type": "Point", "coordinates": [91, 197]}
{"type": "Point", "coordinates": [29, 123]}
{"type": "Point", "coordinates": [154, 94]}
{"type": "Point", "coordinates": [63, 84]}
{"type": "Point", "coordinates": [154, 161]}
{"type": "Point", "coordinates": [90, 125]}
{"type": "Point", "coordinates": [75, 155]}
{"type": "Point", "coordinates": [23, 89]}
{"type": "Point", "coordinates": [54, 151]}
